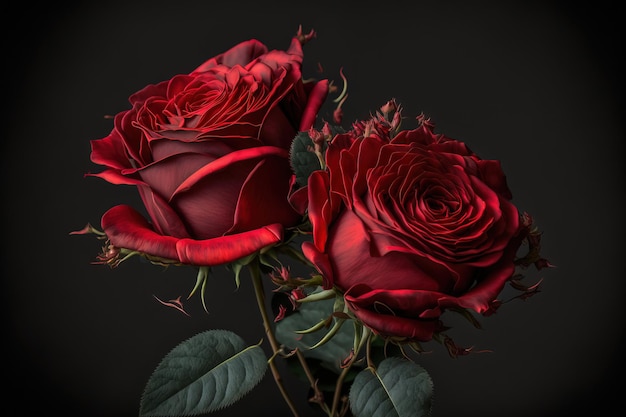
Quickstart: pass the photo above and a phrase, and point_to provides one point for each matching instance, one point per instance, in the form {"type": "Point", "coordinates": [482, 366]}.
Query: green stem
{"type": "Point", "coordinates": [318, 394]}
{"type": "Point", "coordinates": [260, 298]}
{"type": "Point", "coordinates": [344, 373]}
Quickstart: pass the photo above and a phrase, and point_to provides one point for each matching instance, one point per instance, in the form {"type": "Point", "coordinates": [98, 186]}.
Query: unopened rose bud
{"type": "Point", "coordinates": [316, 136]}
{"type": "Point", "coordinates": [389, 107]}
{"type": "Point", "coordinates": [327, 132]}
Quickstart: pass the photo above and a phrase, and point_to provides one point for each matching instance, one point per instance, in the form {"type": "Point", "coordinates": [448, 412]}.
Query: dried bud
{"type": "Point", "coordinates": [533, 238]}
{"type": "Point", "coordinates": [493, 308]}
{"type": "Point", "coordinates": [304, 38]}
{"type": "Point", "coordinates": [316, 136]}
{"type": "Point", "coordinates": [110, 255]}
{"type": "Point", "coordinates": [455, 350]}
{"type": "Point", "coordinates": [425, 121]}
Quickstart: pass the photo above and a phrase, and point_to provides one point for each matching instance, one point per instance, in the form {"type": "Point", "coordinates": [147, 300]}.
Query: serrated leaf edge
{"type": "Point", "coordinates": [143, 394]}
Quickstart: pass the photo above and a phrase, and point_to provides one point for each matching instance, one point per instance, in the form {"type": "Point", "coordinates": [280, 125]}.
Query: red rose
{"type": "Point", "coordinates": [209, 154]}
{"type": "Point", "coordinates": [409, 226]}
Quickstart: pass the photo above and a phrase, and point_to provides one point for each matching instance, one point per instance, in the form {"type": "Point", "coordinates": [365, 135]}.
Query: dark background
{"type": "Point", "coordinates": [537, 85]}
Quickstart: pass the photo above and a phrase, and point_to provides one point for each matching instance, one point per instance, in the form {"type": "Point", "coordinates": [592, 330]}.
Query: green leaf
{"type": "Point", "coordinates": [308, 315]}
{"type": "Point", "coordinates": [205, 373]}
{"type": "Point", "coordinates": [303, 159]}
{"type": "Point", "coordinates": [397, 388]}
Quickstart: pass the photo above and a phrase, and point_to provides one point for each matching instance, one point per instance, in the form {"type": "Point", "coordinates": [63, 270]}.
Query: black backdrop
{"type": "Point", "coordinates": [537, 85]}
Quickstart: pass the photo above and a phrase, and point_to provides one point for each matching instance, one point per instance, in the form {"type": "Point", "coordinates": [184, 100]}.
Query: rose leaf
{"type": "Point", "coordinates": [303, 158]}
{"type": "Point", "coordinates": [397, 387]}
{"type": "Point", "coordinates": [205, 373]}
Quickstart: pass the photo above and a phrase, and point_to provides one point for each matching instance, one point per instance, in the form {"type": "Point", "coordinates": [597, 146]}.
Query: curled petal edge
{"type": "Point", "coordinates": [388, 325]}
{"type": "Point", "coordinates": [226, 249]}
{"type": "Point", "coordinates": [321, 262]}
{"type": "Point", "coordinates": [127, 228]}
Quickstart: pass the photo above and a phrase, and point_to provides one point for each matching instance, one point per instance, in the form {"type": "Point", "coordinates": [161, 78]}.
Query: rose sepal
{"type": "Point", "coordinates": [319, 296]}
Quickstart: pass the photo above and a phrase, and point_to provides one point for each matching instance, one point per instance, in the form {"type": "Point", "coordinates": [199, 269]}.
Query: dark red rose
{"type": "Point", "coordinates": [209, 154]}
{"type": "Point", "coordinates": [410, 225]}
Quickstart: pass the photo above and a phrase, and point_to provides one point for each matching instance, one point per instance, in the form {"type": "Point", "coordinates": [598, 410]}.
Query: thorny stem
{"type": "Point", "coordinates": [346, 369]}
{"type": "Point", "coordinates": [260, 298]}
{"type": "Point", "coordinates": [307, 371]}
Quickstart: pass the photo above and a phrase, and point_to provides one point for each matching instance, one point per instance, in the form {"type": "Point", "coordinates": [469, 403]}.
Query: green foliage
{"type": "Point", "coordinates": [205, 373]}
{"type": "Point", "coordinates": [396, 388]}
{"type": "Point", "coordinates": [303, 159]}
{"type": "Point", "coordinates": [331, 353]}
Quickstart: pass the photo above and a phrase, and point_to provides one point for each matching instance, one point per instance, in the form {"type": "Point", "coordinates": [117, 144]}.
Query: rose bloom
{"type": "Point", "coordinates": [409, 226]}
{"type": "Point", "coordinates": [209, 153]}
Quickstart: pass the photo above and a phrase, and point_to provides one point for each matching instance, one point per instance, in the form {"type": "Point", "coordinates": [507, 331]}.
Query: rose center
{"type": "Point", "coordinates": [435, 205]}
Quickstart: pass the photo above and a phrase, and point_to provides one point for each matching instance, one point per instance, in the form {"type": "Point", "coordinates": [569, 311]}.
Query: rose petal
{"type": "Point", "coordinates": [148, 92]}
{"type": "Point", "coordinates": [252, 209]}
{"type": "Point", "coordinates": [116, 177]}
{"type": "Point", "coordinates": [321, 262]}
{"type": "Point", "coordinates": [354, 261]}
{"type": "Point", "coordinates": [240, 54]}
{"type": "Point", "coordinates": [317, 97]}
{"type": "Point", "coordinates": [319, 208]}
{"type": "Point", "coordinates": [128, 229]}
{"type": "Point", "coordinates": [379, 311]}
{"type": "Point", "coordinates": [164, 219]}
{"type": "Point", "coordinates": [299, 200]}
{"type": "Point", "coordinates": [397, 326]}
{"type": "Point", "coordinates": [166, 175]}
{"type": "Point", "coordinates": [110, 152]}
{"type": "Point", "coordinates": [226, 249]}
{"type": "Point", "coordinates": [228, 160]}
{"type": "Point", "coordinates": [277, 130]}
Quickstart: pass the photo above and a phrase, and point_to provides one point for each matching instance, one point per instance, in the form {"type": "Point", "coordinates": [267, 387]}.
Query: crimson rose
{"type": "Point", "coordinates": [209, 154]}
{"type": "Point", "coordinates": [410, 225]}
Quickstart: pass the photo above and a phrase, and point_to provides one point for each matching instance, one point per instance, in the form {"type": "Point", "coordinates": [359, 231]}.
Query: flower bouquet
{"type": "Point", "coordinates": [367, 233]}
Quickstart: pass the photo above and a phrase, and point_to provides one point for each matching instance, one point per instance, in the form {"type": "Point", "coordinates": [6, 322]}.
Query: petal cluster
{"type": "Point", "coordinates": [409, 225]}
{"type": "Point", "coordinates": [209, 154]}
